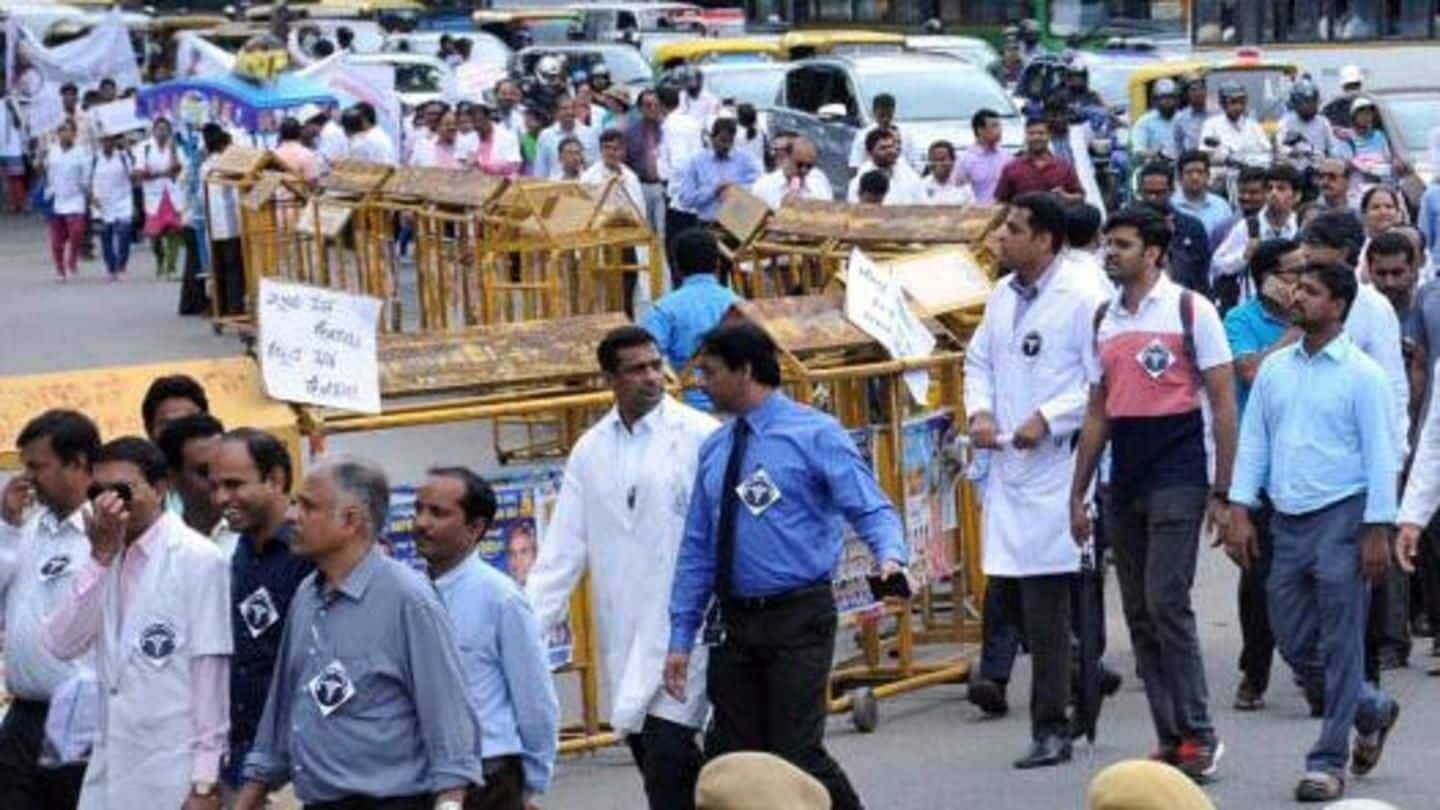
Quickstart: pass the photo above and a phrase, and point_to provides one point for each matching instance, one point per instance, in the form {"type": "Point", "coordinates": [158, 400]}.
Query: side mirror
{"type": "Point", "coordinates": [832, 113]}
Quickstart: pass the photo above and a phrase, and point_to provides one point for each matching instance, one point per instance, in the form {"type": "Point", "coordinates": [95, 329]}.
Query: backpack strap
{"type": "Point", "coordinates": [1187, 328]}
{"type": "Point", "coordinates": [1100, 313]}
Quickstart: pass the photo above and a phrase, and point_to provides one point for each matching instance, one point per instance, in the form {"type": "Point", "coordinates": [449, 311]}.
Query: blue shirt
{"type": "Point", "coordinates": [1213, 213]}
{"type": "Point", "coordinates": [680, 319]}
{"type": "Point", "coordinates": [1154, 134]}
{"type": "Point", "coordinates": [262, 584]}
{"type": "Point", "coordinates": [507, 669]}
{"type": "Point", "coordinates": [1250, 329]}
{"type": "Point", "coordinates": [816, 476]}
{"type": "Point", "coordinates": [1428, 222]}
{"type": "Point", "coordinates": [1319, 429]}
{"type": "Point", "coordinates": [365, 692]}
{"type": "Point", "coordinates": [698, 186]}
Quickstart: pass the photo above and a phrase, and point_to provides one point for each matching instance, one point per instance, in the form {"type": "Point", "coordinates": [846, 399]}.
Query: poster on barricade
{"type": "Point", "coordinates": [851, 580]}
{"type": "Point", "coordinates": [929, 483]}
{"type": "Point", "coordinates": [524, 504]}
{"type": "Point", "coordinates": [318, 346]}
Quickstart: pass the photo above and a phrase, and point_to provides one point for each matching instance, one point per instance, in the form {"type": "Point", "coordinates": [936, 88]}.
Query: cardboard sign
{"type": "Point", "coordinates": [875, 302]}
{"type": "Point", "coordinates": [318, 346]}
{"type": "Point", "coordinates": [117, 117]}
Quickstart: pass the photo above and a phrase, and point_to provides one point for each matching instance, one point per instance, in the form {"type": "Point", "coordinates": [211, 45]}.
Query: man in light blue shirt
{"type": "Point", "coordinates": [506, 667]}
{"type": "Point", "coordinates": [703, 181]}
{"type": "Point", "coordinates": [1154, 134]}
{"type": "Point", "coordinates": [681, 318]}
{"type": "Point", "coordinates": [547, 150]}
{"type": "Point", "coordinates": [762, 539]}
{"type": "Point", "coordinates": [1318, 438]}
{"type": "Point", "coordinates": [1194, 197]}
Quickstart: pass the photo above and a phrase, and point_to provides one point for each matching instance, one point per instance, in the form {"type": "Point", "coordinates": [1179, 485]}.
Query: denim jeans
{"type": "Point", "coordinates": [115, 240]}
{"type": "Point", "coordinates": [1155, 539]}
{"type": "Point", "coordinates": [1318, 604]}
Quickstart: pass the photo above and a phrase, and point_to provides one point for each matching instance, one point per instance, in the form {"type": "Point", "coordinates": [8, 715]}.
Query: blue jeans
{"type": "Point", "coordinates": [1318, 602]}
{"type": "Point", "coordinates": [115, 240]}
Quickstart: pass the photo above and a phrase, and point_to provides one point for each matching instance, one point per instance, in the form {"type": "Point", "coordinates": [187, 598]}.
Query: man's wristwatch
{"type": "Point", "coordinates": [1221, 495]}
{"type": "Point", "coordinates": [450, 804]}
{"type": "Point", "coordinates": [202, 788]}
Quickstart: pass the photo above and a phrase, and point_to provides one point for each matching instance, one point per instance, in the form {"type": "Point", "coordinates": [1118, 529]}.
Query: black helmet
{"type": "Point", "coordinates": [1304, 91]}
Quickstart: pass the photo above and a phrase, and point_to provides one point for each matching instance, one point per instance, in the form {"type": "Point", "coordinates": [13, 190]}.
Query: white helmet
{"type": "Point", "coordinates": [1351, 74]}
{"type": "Point", "coordinates": [548, 68]}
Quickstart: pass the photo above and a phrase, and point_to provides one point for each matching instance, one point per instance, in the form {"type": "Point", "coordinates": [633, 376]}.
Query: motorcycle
{"type": "Point", "coordinates": [1225, 168]}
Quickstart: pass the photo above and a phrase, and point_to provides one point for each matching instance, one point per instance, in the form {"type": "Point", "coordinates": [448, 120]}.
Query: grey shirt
{"type": "Point", "coordinates": [365, 692]}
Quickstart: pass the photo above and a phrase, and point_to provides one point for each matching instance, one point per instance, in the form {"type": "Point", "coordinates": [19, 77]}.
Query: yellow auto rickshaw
{"type": "Point", "coordinates": [1267, 82]}
{"type": "Point", "coordinates": [800, 44]}
{"type": "Point", "coordinates": [692, 51]}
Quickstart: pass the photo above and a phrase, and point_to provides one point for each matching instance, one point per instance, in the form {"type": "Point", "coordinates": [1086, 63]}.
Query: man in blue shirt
{"type": "Point", "coordinates": [506, 667]}
{"type": "Point", "coordinates": [1194, 197]}
{"type": "Point", "coordinates": [680, 319]}
{"type": "Point", "coordinates": [1318, 437]}
{"type": "Point", "coordinates": [1154, 134]}
{"type": "Point", "coordinates": [1255, 330]}
{"type": "Point", "coordinates": [767, 566]}
{"type": "Point", "coordinates": [250, 474]}
{"type": "Point", "coordinates": [703, 181]}
{"type": "Point", "coordinates": [1189, 253]}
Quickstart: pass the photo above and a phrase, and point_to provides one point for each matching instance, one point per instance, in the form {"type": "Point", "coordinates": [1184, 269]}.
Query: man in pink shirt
{"type": "Point", "coordinates": [293, 152]}
{"type": "Point", "coordinates": [446, 150]}
{"type": "Point", "coordinates": [497, 152]}
{"type": "Point", "coordinates": [152, 604]}
{"type": "Point", "coordinates": [985, 160]}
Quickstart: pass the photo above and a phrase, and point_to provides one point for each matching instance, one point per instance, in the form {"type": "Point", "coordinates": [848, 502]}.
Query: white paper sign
{"type": "Point", "coordinates": [875, 302]}
{"type": "Point", "coordinates": [318, 346]}
{"type": "Point", "coordinates": [117, 117]}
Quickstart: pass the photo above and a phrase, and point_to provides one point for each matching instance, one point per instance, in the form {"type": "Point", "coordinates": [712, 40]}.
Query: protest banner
{"type": "Point", "coordinates": [318, 347]}
{"type": "Point", "coordinates": [876, 303]}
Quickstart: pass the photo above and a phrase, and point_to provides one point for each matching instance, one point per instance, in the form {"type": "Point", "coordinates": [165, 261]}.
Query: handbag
{"type": "Point", "coordinates": [165, 220]}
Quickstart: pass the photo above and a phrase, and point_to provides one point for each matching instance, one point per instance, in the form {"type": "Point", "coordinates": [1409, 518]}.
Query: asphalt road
{"type": "Point", "coordinates": [932, 750]}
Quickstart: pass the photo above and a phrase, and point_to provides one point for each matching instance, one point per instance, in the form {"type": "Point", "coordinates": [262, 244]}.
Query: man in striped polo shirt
{"type": "Point", "coordinates": [1156, 347]}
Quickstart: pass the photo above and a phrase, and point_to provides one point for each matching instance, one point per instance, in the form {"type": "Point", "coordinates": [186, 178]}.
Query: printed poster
{"type": "Point", "coordinates": [929, 484]}
{"type": "Point", "coordinates": [851, 584]}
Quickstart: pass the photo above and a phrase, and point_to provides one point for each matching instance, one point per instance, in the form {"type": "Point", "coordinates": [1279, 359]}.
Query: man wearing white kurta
{"type": "Point", "coordinates": [621, 513]}
{"type": "Point", "coordinates": [1025, 392]}
{"type": "Point", "coordinates": [152, 601]}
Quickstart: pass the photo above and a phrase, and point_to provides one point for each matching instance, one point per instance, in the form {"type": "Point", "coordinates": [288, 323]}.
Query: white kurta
{"type": "Point", "coordinates": [1012, 369]}
{"type": "Point", "coordinates": [179, 612]}
{"type": "Point", "coordinates": [630, 552]}
{"type": "Point", "coordinates": [150, 156]}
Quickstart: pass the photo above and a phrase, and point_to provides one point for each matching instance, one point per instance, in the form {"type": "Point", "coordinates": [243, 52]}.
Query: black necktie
{"type": "Point", "coordinates": [729, 505]}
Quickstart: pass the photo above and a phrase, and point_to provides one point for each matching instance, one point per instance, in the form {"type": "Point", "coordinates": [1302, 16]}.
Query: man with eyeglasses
{"type": "Point", "coordinates": [796, 177]}
{"type": "Point", "coordinates": [1334, 185]}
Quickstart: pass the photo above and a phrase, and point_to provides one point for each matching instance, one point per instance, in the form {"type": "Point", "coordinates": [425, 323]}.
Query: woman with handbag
{"type": "Point", "coordinates": [157, 170]}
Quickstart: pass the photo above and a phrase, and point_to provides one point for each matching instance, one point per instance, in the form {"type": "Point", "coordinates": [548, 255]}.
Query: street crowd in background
{"type": "Point", "coordinates": [1242, 352]}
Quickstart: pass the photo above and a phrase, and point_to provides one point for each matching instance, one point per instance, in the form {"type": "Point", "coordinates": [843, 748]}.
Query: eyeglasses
{"type": "Point", "coordinates": [801, 166]}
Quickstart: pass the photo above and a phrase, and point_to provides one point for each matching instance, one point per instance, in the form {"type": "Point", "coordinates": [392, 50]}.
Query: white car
{"type": "Point", "coordinates": [419, 78]}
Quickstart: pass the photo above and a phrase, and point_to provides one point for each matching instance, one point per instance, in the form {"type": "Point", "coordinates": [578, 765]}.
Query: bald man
{"type": "Point", "coordinates": [797, 177]}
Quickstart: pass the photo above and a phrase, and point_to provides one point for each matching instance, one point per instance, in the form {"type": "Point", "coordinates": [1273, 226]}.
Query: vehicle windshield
{"type": "Point", "coordinates": [1111, 82]}
{"type": "Point", "coordinates": [1089, 18]}
{"type": "Point", "coordinates": [1268, 89]}
{"type": "Point", "coordinates": [417, 78]}
{"type": "Point", "coordinates": [939, 95]}
{"type": "Point", "coordinates": [758, 87]}
{"type": "Point", "coordinates": [548, 31]}
{"type": "Point", "coordinates": [1413, 117]}
{"type": "Point", "coordinates": [626, 65]}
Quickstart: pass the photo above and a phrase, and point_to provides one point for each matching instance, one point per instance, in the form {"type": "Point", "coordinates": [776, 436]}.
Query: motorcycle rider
{"type": "Point", "coordinates": [1367, 148]}
{"type": "Point", "coordinates": [1303, 124]}
{"type": "Point", "coordinates": [1154, 134]}
{"type": "Point", "coordinates": [548, 85]}
{"type": "Point", "coordinates": [1233, 135]}
{"type": "Point", "coordinates": [1337, 110]}
{"type": "Point", "coordinates": [1085, 104]}
{"type": "Point", "coordinates": [1189, 121]}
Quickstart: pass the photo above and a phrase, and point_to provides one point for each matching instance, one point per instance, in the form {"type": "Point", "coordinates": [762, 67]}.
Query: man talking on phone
{"type": "Point", "coordinates": [42, 545]}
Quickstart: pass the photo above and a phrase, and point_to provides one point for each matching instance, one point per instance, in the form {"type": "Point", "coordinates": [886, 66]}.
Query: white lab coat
{"type": "Point", "coordinates": [1011, 372]}
{"type": "Point", "coordinates": [150, 156]}
{"type": "Point", "coordinates": [630, 553]}
{"type": "Point", "coordinates": [142, 756]}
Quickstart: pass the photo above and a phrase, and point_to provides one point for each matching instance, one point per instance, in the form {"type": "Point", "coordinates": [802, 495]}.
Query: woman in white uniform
{"type": "Point", "coordinates": [157, 170]}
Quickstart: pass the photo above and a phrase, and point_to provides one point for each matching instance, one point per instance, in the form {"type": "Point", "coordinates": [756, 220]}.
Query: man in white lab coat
{"type": "Point", "coordinates": [621, 513]}
{"type": "Point", "coordinates": [1025, 393]}
{"type": "Point", "coordinates": [152, 600]}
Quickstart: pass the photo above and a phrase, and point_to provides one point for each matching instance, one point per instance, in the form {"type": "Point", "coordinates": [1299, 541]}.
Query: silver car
{"type": "Point", "coordinates": [829, 99]}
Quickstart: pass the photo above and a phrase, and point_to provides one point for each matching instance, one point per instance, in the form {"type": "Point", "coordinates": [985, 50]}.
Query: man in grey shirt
{"type": "Point", "coordinates": [362, 710]}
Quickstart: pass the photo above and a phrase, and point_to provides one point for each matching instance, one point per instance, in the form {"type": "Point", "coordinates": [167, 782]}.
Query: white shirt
{"type": "Point", "coordinates": [1373, 326]}
{"type": "Point", "coordinates": [701, 108]}
{"type": "Point", "coordinates": [113, 187]}
{"type": "Point", "coordinates": [621, 513]}
{"type": "Point", "coordinates": [224, 221]}
{"type": "Point", "coordinates": [909, 151]}
{"type": "Point", "coordinates": [67, 173]}
{"type": "Point", "coordinates": [1244, 137]}
{"type": "Point", "coordinates": [906, 187]}
{"type": "Point", "coordinates": [947, 193]}
{"type": "Point", "coordinates": [597, 176]}
{"type": "Point", "coordinates": [774, 187]}
{"type": "Point", "coordinates": [38, 562]}
{"type": "Point", "coordinates": [1229, 258]}
{"type": "Point", "coordinates": [429, 153]}
{"type": "Point", "coordinates": [680, 140]}
{"type": "Point", "coordinates": [755, 146]}
{"type": "Point", "coordinates": [332, 144]}
{"type": "Point", "coordinates": [373, 146]}
{"type": "Point", "coordinates": [1422, 489]}
{"type": "Point", "coordinates": [150, 156]}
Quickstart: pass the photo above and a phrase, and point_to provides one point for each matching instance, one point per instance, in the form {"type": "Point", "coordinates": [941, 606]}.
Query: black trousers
{"type": "Point", "coordinates": [1388, 625]}
{"type": "Point", "coordinates": [1041, 606]}
{"type": "Point", "coordinates": [1257, 640]}
{"type": "Point", "coordinates": [768, 681]}
{"type": "Point", "coordinates": [193, 298]}
{"type": "Point", "coordinates": [24, 785]}
{"type": "Point", "coordinates": [669, 761]}
{"type": "Point", "coordinates": [676, 223]}
{"type": "Point", "coordinates": [1427, 577]}
{"type": "Point", "coordinates": [228, 264]}
{"type": "Point", "coordinates": [504, 786]}
{"type": "Point", "coordinates": [423, 801]}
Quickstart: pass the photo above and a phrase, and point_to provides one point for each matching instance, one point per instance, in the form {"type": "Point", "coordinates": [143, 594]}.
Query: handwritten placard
{"type": "Point", "coordinates": [875, 302]}
{"type": "Point", "coordinates": [318, 346]}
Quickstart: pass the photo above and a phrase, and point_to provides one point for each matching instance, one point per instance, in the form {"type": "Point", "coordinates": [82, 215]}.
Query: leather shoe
{"type": "Point", "coordinates": [1044, 753]}
{"type": "Point", "coordinates": [989, 696]}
